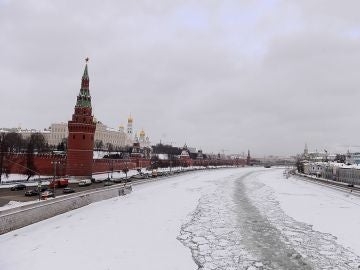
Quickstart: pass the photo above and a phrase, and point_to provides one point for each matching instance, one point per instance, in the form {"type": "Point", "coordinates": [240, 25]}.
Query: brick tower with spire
{"type": "Point", "coordinates": [248, 159]}
{"type": "Point", "coordinates": [81, 127]}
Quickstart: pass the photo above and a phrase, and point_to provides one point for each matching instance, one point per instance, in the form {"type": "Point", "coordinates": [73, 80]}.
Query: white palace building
{"type": "Point", "coordinates": [58, 132]}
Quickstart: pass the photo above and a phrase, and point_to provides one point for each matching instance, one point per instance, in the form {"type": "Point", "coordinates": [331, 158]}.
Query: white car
{"type": "Point", "coordinates": [85, 182]}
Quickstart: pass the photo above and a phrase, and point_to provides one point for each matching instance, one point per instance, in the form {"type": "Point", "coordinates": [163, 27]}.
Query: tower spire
{"type": "Point", "coordinates": [84, 98]}
{"type": "Point", "coordinates": [85, 75]}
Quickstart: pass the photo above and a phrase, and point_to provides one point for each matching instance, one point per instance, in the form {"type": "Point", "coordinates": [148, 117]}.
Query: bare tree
{"type": "Point", "coordinates": [99, 144]}
{"type": "Point", "coordinates": [15, 142]}
{"type": "Point", "coordinates": [3, 152]}
{"type": "Point", "coordinates": [37, 143]}
{"type": "Point", "coordinates": [30, 166]}
{"type": "Point", "coordinates": [110, 147]}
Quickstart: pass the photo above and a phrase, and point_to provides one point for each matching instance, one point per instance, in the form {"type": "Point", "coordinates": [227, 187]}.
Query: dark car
{"type": "Point", "coordinates": [117, 180]}
{"type": "Point", "coordinates": [108, 183]}
{"type": "Point", "coordinates": [33, 192]}
{"type": "Point", "coordinates": [18, 187]}
{"type": "Point", "coordinates": [43, 188]}
{"type": "Point", "coordinates": [68, 190]}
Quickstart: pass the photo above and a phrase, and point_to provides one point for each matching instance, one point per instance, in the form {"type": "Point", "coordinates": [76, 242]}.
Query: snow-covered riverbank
{"type": "Point", "coordinates": [245, 218]}
{"type": "Point", "coordinates": [138, 231]}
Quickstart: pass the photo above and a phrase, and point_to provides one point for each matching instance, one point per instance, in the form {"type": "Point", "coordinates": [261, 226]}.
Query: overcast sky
{"type": "Point", "coordinates": [261, 75]}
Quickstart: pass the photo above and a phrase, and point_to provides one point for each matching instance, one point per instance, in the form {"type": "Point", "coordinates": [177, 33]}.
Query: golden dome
{"type": "Point", "coordinates": [142, 133]}
{"type": "Point", "coordinates": [130, 120]}
{"type": "Point", "coordinates": [121, 127]}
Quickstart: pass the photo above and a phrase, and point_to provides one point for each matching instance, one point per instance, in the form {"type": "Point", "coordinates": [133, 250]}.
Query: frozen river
{"type": "Point", "coordinates": [246, 218]}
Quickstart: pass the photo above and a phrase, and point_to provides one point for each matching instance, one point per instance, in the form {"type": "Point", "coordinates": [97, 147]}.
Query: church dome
{"type": "Point", "coordinates": [142, 133]}
{"type": "Point", "coordinates": [130, 120]}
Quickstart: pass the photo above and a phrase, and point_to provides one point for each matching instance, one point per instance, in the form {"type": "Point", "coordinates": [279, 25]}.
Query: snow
{"type": "Point", "coordinates": [138, 231]}
{"type": "Point", "coordinates": [20, 177]}
{"type": "Point", "coordinates": [103, 176]}
{"type": "Point", "coordinates": [13, 204]}
{"type": "Point", "coordinates": [328, 210]}
{"type": "Point", "coordinates": [245, 218]}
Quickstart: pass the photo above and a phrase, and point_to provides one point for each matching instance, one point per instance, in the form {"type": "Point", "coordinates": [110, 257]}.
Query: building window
{"type": "Point", "coordinates": [84, 136]}
{"type": "Point", "coordinates": [73, 136]}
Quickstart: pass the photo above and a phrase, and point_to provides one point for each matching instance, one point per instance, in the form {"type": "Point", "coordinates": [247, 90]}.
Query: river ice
{"type": "Point", "coordinates": [239, 218]}
{"type": "Point", "coordinates": [242, 226]}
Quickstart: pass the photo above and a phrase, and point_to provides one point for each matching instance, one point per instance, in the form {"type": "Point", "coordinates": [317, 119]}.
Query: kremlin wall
{"type": "Point", "coordinates": [81, 135]}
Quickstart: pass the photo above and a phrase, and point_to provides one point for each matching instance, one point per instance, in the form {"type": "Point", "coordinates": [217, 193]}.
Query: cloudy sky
{"type": "Point", "coordinates": [261, 75]}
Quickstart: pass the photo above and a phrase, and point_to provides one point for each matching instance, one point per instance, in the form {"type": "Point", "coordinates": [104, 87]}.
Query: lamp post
{"type": "Point", "coordinates": [39, 188]}
{"type": "Point", "coordinates": [54, 181]}
{"type": "Point", "coordinates": [108, 178]}
{"type": "Point", "coordinates": [126, 170]}
{"type": "Point", "coordinates": [112, 168]}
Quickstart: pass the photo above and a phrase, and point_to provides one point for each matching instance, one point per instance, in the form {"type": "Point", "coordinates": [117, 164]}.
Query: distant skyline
{"type": "Point", "coordinates": [268, 76]}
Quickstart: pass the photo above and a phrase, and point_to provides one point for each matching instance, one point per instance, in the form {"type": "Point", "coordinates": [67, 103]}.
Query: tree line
{"type": "Point", "coordinates": [12, 142]}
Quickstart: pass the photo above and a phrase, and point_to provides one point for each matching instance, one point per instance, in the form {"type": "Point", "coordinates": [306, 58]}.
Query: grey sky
{"type": "Point", "coordinates": [268, 76]}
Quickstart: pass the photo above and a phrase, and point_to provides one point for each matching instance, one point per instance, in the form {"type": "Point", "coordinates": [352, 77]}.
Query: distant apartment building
{"type": "Point", "coordinates": [353, 158]}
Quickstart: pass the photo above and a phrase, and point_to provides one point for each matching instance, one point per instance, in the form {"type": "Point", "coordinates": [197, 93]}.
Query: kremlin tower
{"type": "Point", "coordinates": [81, 133]}
{"type": "Point", "coordinates": [248, 159]}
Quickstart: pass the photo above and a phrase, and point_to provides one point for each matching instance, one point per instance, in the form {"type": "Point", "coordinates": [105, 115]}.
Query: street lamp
{"type": "Point", "coordinates": [108, 178]}
{"type": "Point", "coordinates": [54, 181]}
{"type": "Point", "coordinates": [39, 188]}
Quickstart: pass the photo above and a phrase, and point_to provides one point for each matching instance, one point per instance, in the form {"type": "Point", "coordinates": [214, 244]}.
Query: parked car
{"type": "Point", "coordinates": [116, 180]}
{"type": "Point", "coordinates": [33, 192]}
{"type": "Point", "coordinates": [68, 190]}
{"type": "Point", "coordinates": [138, 176]}
{"type": "Point", "coordinates": [108, 183]}
{"type": "Point", "coordinates": [154, 173]}
{"type": "Point", "coordinates": [85, 182]}
{"type": "Point", "coordinates": [47, 194]}
{"type": "Point", "coordinates": [43, 188]}
{"type": "Point", "coordinates": [267, 166]}
{"type": "Point", "coordinates": [18, 187]}
{"type": "Point", "coordinates": [97, 180]}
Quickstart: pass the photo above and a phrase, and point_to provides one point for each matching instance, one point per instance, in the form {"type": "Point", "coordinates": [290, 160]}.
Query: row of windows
{"type": "Point", "coordinates": [58, 130]}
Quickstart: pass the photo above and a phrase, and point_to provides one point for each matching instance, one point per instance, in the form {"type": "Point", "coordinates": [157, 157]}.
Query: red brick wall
{"type": "Point", "coordinates": [17, 163]}
{"type": "Point", "coordinates": [106, 165]}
